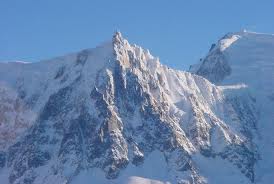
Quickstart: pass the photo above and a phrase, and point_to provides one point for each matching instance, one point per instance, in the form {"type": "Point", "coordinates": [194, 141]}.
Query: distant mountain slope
{"type": "Point", "coordinates": [115, 114]}
{"type": "Point", "coordinates": [247, 58]}
{"type": "Point", "coordinates": [238, 58]}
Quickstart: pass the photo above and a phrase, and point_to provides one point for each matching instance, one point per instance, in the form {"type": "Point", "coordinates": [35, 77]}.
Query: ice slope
{"type": "Point", "coordinates": [115, 114]}
{"type": "Point", "coordinates": [247, 54]}
{"type": "Point", "coordinates": [35, 82]}
{"type": "Point", "coordinates": [247, 58]}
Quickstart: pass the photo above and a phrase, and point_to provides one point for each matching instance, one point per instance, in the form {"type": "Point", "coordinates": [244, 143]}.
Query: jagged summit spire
{"type": "Point", "coordinates": [117, 37]}
{"type": "Point", "coordinates": [118, 41]}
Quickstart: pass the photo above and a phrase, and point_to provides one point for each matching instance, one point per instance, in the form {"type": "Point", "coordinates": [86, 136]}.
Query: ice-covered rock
{"type": "Point", "coordinates": [116, 114]}
{"type": "Point", "coordinates": [246, 59]}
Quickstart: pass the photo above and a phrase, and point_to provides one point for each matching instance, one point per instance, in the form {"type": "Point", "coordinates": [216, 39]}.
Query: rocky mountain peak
{"type": "Point", "coordinates": [115, 111]}
{"type": "Point", "coordinates": [117, 37]}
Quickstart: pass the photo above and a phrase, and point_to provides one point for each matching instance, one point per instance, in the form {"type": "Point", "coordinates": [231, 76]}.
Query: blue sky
{"type": "Point", "coordinates": [179, 32]}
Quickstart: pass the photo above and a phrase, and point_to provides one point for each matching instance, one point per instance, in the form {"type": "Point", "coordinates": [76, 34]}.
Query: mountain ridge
{"type": "Point", "coordinates": [112, 110]}
{"type": "Point", "coordinates": [249, 61]}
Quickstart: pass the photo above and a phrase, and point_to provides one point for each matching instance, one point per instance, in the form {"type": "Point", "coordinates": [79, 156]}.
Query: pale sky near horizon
{"type": "Point", "coordinates": [179, 32]}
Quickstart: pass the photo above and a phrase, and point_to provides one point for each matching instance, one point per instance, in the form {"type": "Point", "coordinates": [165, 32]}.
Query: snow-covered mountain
{"type": "Point", "coordinates": [115, 114]}
{"type": "Point", "coordinates": [247, 58]}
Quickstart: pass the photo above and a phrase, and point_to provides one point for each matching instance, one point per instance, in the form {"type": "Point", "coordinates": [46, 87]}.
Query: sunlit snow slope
{"type": "Point", "coordinates": [247, 58]}
{"type": "Point", "coordinates": [115, 114]}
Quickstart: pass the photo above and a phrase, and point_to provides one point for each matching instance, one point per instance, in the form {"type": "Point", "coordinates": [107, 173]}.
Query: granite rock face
{"type": "Point", "coordinates": [110, 107]}
{"type": "Point", "coordinates": [217, 70]}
